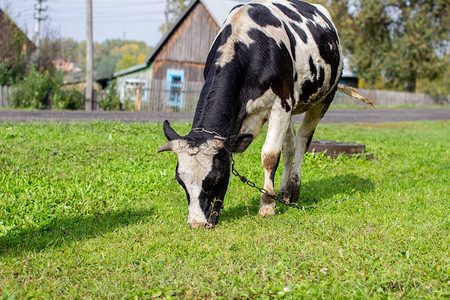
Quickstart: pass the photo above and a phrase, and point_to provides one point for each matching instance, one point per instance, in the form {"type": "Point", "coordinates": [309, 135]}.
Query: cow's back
{"type": "Point", "coordinates": [267, 51]}
{"type": "Point", "coordinates": [288, 33]}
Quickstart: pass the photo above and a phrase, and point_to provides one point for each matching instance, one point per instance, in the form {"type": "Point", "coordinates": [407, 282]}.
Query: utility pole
{"type": "Point", "coordinates": [37, 24]}
{"type": "Point", "coordinates": [88, 103]}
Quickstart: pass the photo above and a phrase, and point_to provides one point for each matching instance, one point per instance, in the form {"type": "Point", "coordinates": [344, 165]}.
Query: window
{"type": "Point", "coordinates": [175, 80]}
{"type": "Point", "coordinates": [131, 87]}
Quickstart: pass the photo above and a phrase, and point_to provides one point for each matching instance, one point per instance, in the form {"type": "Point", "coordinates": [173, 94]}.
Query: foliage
{"type": "Point", "coordinates": [110, 56]}
{"type": "Point", "coordinates": [111, 99]}
{"type": "Point", "coordinates": [129, 61]}
{"type": "Point", "coordinates": [128, 105]}
{"type": "Point", "coordinates": [174, 9]}
{"type": "Point", "coordinates": [49, 49]}
{"type": "Point", "coordinates": [394, 43]}
{"type": "Point", "coordinates": [15, 51]}
{"type": "Point", "coordinates": [439, 85]}
{"type": "Point", "coordinates": [91, 211]}
{"type": "Point", "coordinates": [36, 89]}
{"type": "Point", "coordinates": [106, 65]}
{"type": "Point", "coordinates": [116, 55]}
{"type": "Point", "coordinates": [70, 50]}
{"type": "Point", "coordinates": [40, 90]}
{"type": "Point", "coordinates": [68, 99]}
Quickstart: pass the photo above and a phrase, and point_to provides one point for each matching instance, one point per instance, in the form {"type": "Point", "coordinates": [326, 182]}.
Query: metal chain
{"type": "Point", "coordinates": [275, 197]}
{"type": "Point", "coordinates": [215, 134]}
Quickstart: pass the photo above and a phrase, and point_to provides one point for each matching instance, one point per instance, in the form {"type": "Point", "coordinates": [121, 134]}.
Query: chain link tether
{"type": "Point", "coordinates": [275, 197]}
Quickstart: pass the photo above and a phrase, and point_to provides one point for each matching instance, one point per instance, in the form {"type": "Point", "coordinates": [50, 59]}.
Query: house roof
{"type": "Point", "coordinates": [218, 10]}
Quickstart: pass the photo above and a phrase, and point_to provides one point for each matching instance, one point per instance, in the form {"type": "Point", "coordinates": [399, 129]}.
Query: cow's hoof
{"type": "Point", "coordinates": [201, 226]}
{"type": "Point", "coordinates": [291, 193]}
{"type": "Point", "coordinates": [289, 197]}
{"type": "Point", "coordinates": [266, 210]}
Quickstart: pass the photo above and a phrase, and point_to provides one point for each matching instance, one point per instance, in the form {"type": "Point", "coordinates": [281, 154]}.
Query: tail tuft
{"type": "Point", "coordinates": [354, 94]}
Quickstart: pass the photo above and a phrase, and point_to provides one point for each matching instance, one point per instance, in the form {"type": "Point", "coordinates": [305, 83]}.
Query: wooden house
{"type": "Point", "coordinates": [171, 77]}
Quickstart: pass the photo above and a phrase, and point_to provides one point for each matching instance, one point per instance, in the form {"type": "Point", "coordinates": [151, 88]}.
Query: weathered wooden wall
{"type": "Point", "coordinates": [157, 96]}
{"type": "Point", "coordinates": [193, 71]}
{"type": "Point", "coordinates": [188, 46]}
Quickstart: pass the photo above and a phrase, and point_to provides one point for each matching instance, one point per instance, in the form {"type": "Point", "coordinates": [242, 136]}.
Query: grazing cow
{"type": "Point", "coordinates": [270, 60]}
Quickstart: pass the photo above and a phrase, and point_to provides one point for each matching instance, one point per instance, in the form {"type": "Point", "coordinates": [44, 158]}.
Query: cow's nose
{"type": "Point", "coordinates": [201, 225]}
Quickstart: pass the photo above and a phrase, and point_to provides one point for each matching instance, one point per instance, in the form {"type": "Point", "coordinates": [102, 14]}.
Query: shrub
{"type": "Point", "coordinates": [128, 105]}
{"type": "Point", "coordinates": [35, 90]}
{"type": "Point", "coordinates": [68, 99]}
{"type": "Point", "coordinates": [111, 99]}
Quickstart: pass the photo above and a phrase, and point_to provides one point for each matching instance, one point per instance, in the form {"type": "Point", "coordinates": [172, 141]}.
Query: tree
{"type": "Point", "coordinates": [49, 48]}
{"type": "Point", "coordinates": [115, 55]}
{"type": "Point", "coordinates": [132, 53]}
{"type": "Point", "coordinates": [395, 43]}
{"type": "Point", "coordinates": [126, 62]}
{"type": "Point", "coordinates": [15, 51]}
{"type": "Point", "coordinates": [106, 65]}
{"type": "Point", "coordinates": [69, 50]}
{"type": "Point", "coordinates": [174, 9]}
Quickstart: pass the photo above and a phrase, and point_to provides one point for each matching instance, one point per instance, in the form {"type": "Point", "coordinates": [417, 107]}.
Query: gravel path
{"type": "Point", "coordinates": [332, 116]}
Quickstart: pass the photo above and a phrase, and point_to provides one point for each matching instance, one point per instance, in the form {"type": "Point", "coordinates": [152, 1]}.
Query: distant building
{"type": "Point", "coordinates": [71, 70]}
{"type": "Point", "coordinates": [172, 75]}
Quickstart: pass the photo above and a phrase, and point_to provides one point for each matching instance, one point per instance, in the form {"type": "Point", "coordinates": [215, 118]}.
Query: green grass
{"type": "Point", "coordinates": [91, 211]}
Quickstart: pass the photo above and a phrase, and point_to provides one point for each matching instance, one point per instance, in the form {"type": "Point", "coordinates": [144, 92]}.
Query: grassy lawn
{"type": "Point", "coordinates": [91, 211]}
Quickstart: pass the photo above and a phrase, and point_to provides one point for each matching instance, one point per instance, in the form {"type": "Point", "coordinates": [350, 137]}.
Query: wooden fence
{"type": "Point", "coordinates": [157, 98]}
{"type": "Point", "coordinates": [391, 98]}
{"type": "Point", "coordinates": [5, 93]}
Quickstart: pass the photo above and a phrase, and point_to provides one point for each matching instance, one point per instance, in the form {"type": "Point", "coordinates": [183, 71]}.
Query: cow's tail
{"type": "Point", "coordinates": [354, 94]}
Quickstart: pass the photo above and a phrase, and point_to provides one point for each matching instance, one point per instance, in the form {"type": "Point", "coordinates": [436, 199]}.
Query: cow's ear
{"type": "Point", "coordinates": [169, 132]}
{"type": "Point", "coordinates": [238, 143]}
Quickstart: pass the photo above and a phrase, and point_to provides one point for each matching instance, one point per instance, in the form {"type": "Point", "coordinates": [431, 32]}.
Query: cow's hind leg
{"type": "Point", "coordinates": [279, 122]}
{"type": "Point", "coordinates": [288, 159]}
{"type": "Point", "coordinates": [302, 142]}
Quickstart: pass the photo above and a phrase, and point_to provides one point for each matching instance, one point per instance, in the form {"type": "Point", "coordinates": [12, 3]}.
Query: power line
{"type": "Point", "coordinates": [65, 13]}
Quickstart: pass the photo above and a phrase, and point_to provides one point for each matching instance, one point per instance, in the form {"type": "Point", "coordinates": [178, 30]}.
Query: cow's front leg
{"type": "Point", "coordinates": [279, 122]}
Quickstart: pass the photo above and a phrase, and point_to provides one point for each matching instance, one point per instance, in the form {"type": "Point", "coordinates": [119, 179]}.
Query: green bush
{"type": "Point", "coordinates": [128, 105]}
{"type": "Point", "coordinates": [111, 100]}
{"type": "Point", "coordinates": [68, 100]}
{"type": "Point", "coordinates": [36, 89]}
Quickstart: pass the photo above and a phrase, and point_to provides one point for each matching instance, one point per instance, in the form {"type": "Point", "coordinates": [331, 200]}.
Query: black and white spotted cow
{"type": "Point", "coordinates": [270, 60]}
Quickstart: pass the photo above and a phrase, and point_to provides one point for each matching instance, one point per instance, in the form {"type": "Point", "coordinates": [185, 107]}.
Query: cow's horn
{"type": "Point", "coordinates": [166, 147]}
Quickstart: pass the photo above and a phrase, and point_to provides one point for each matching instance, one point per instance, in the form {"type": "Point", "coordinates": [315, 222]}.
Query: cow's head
{"type": "Point", "coordinates": [203, 170]}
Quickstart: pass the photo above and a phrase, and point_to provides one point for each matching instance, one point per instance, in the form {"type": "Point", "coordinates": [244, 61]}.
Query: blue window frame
{"type": "Point", "coordinates": [175, 79]}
